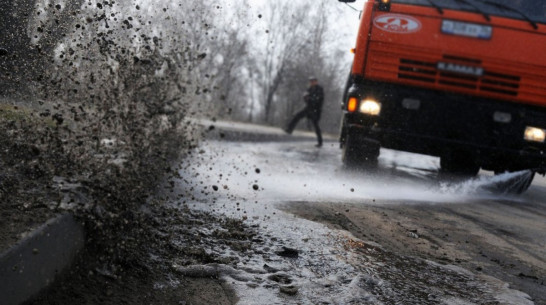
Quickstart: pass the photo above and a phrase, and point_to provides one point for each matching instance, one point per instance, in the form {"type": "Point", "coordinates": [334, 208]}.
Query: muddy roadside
{"type": "Point", "coordinates": [145, 268]}
{"type": "Point", "coordinates": [129, 253]}
{"type": "Point", "coordinates": [30, 157]}
{"type": "Point", "coordinates": [486, 238]}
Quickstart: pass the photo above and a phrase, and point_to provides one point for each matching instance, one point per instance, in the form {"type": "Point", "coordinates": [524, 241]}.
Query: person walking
{"type": "Point", "coordinates": [313, 98]}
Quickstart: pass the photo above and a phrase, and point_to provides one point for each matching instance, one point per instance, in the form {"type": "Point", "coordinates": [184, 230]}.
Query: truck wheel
{"type": "Point", "coordinates": [359, 152]}
{"type": "Point", "coordinates": [459, 164]}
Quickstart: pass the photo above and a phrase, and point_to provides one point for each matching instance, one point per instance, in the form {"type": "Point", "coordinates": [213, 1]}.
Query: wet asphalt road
{"type": "Point", "coordinates": [398, 234]}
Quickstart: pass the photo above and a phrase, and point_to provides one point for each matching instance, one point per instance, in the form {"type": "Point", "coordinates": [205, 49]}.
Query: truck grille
{"type": "Point", "coordinates": [490, 81]}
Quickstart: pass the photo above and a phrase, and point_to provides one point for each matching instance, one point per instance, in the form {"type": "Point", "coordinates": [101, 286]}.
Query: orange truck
{"type": "Point", "coordinates": [464, 80]}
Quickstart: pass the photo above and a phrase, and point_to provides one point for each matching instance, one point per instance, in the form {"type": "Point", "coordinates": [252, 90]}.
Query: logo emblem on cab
{"type": "Point", "coordinates": [396, 23]}
{"type": "Point", "coordinates": [460, 69]}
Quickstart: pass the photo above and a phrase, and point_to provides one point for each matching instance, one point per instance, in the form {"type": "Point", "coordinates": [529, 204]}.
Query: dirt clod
{"type": "Point", "coordinates": [288, 252]}
{"type": "Point", "coordinates": [289, 290]}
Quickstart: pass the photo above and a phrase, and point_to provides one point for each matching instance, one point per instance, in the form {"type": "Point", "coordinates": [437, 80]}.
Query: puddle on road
{"type": "Point", "coordinates": [290, 172]}
{"type": "Point", "coordinates": [246, 181]}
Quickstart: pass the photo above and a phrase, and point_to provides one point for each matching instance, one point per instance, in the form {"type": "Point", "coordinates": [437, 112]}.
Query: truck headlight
{"type": "Point", "coordinates": [370, 107]}
{"type": "Point", "coordinates": [534, 134]}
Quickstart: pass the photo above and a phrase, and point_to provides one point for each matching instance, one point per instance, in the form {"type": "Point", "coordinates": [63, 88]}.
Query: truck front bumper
{"type": "Point", "coordinates": [439, 123]}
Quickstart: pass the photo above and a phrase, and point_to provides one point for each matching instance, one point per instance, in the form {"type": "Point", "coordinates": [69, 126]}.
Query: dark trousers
{"type": "Point", "coordinates": [313, 118]}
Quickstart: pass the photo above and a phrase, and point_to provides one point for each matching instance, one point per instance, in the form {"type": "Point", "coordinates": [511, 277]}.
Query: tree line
{"type": "Point", "coordinates": [229, 59]}
{"type": "Point", "coordinates": [264, 58]}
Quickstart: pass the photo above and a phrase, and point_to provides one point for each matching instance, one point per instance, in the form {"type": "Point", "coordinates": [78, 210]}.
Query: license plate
{"type": "Point", "coordinates": [466, 29]}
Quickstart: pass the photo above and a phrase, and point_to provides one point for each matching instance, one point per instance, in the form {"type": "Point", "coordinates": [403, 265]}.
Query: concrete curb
{"type": "Point", "coordinates": [36, 261]}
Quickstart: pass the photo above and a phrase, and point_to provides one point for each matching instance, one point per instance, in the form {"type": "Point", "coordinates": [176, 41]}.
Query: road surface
{"type": "Point", "coordinates": [398, 234]}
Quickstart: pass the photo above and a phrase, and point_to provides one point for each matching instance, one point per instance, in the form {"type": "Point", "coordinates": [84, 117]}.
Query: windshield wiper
{"type": "Point", "coordinates": [476, 9]}
{"type": "Point", "coordinates": [509, 8]}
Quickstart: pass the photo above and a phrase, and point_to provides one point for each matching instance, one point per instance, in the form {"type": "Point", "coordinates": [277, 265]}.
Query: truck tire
{"type": "Point", "coordinates": [359, 152]}
{"type": "Point", "coordinates": [460, 164]}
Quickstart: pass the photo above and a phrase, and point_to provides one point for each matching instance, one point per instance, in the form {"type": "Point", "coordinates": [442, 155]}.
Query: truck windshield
{"type": "Point", "coordinates": [519, 9]}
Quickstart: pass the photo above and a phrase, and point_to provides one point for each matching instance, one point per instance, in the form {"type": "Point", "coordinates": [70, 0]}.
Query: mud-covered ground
{"type": "Point", "coordinates": [481, 237]}
{"type": "Point", "coordinates": [28, 163]}
{"type": "Point", "coordinates": [130, 250]}
{"type": "Point", "coordinates": [168, 238]}
{"type": "Point", "coordinates": [398, 235]}
{"type": "Point", "coordinates": [284, 223]}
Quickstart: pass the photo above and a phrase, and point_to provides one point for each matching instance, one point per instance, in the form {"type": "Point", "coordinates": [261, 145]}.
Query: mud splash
{"type": "Point", "coordinates": [291, 172]}
{"type": "Point", "coordinates": [507, 183]}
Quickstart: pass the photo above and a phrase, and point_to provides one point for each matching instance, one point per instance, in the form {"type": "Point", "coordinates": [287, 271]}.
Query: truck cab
{"type": "Point", "coordinates": [459, 79]}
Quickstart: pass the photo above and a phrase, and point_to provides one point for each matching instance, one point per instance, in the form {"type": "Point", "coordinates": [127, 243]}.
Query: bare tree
{"type": "Point", "coordinates": [227, 66]}
{"type": "Point", "coordinates": [298, 46]}
{"type": "Point", "coordinates": [287, 37]}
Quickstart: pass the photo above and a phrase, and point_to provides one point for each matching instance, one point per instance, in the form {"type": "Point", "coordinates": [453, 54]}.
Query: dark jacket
{"type": "Point", "coordinates": [314, 98]}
